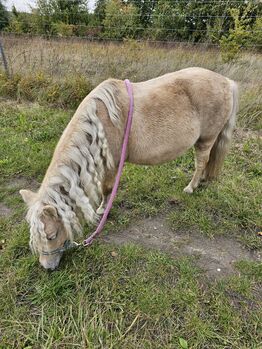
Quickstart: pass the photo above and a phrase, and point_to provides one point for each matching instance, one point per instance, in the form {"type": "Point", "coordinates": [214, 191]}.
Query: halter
{"type": "Point", "coordinates": [71, 244]}
{"type": "Point", "coordinates": [67, 245]}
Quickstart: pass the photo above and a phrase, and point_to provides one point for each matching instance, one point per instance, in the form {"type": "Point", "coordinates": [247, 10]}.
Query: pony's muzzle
{"type": "Point", "coordinates": [50, 262]}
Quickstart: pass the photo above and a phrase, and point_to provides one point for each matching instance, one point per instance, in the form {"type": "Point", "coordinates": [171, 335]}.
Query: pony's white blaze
{"type": "Point", "coordinates": [192, 107]}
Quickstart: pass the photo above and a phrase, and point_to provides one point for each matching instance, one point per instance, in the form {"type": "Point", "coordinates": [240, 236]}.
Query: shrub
{"type": "Point", "coordinates": [29, 86]}
{"type": "Point", "coordinates": [63, 29]}
{"type": "Point", "coordinates": [9, 87]}
{"type": "Point", "coordinates": [42, 89]}
{"type": "Point", "coordinates": [240, 36]}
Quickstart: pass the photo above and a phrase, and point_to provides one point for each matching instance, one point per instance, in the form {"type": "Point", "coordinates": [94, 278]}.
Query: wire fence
{"type": "Point", "coordinates": [95, 34]}
{"type": "Point", "coordinates": [153, 34]}
{"type": "Point", "coordinates": [105, 39]}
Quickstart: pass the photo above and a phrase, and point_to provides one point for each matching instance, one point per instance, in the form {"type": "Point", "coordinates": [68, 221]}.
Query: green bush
{"type": "Point", "coordinates": [9, 87]}
{"type": "Point", "coordinates": [63, 29]}
{"type": "Point", "coordinates": [67, 93]}
{"type": "Point", "coordinates": [42, 89]}
{"type": "Point", "coordinates": [238, 37]}
{"type": "Point", "coordinates": [29, 86]}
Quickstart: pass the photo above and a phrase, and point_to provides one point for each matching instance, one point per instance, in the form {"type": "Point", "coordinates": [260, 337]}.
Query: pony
{"type": "Point", "coordinates": [172, 113]}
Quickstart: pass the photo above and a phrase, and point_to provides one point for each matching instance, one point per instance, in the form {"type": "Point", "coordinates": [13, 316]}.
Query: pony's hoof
{"type": "Point", "coordinates": [188, 189]}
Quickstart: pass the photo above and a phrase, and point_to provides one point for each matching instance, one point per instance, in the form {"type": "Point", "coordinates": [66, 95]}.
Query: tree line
{"type": "Point", "coordinates": [226, 22]}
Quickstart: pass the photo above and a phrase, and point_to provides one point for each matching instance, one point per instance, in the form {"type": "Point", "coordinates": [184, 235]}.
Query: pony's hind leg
{"type": "Point", "coordinates": [201, 159]}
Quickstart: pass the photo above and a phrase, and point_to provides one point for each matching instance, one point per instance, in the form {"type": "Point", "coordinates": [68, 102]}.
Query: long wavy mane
{"type": "Point", "coordinates": [73, 181]}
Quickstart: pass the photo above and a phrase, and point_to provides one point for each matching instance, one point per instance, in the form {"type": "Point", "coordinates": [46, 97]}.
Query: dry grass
{"type": "Point", "coordinates": [68, 62]}
{"type": "Point", "coordinates": [133, 298]}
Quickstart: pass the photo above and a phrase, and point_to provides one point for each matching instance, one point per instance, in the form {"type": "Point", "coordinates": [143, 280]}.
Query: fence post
{"type": "Point", "coordinates": [4, 60]}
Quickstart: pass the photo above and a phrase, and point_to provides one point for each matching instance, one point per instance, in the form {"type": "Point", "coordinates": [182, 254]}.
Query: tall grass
{"type": "Point", "coordinates": [126, 297]}
{"type": "Point", "coordinates": [61, 72]}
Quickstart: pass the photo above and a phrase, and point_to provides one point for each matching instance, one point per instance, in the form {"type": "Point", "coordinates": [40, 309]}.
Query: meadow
{"type": "Point", "coordinates": [124, 292]}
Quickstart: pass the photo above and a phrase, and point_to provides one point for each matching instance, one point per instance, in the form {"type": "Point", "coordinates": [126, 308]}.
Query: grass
{"type": "Point", "coordinates": [61, 72]}
{"type": "Point", "coordinates": [128, 297]}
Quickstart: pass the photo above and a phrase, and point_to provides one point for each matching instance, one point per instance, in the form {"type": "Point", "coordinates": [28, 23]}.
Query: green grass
{"type": "Point", "coordinates": [60, 74]}
{"type": "Point", "coordinates": [134, 298]}
{"type": "Point", "coordinates": [108, 296]}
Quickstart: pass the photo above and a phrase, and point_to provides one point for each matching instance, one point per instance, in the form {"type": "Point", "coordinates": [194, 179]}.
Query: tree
{"type": "Point", "coordinates": [145, 9]}
{"type": "Point", "coordinates": [166, 21]}
{"type": "Point", "coordinates": [244, 33]}
{"type": "Point", "coordinates": [197, 21]}
{"type": "Point", "coordinates": [14, 11]}
{"type": "Point", "coordinates": [99, 12]}
{"type": "Point", "coordinates": [4, 18]}
{"type": "Point", "coordinates": [71, 12]}
{"type": "Point", "coordinates": [121, 20]}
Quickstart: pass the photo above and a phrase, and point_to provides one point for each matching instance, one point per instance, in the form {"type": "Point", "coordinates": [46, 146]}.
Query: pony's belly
{"type": "Point", "coordinates": [156, 156]}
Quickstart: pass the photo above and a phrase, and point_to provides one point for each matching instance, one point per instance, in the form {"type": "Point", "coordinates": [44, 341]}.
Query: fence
{"type": "Point", "coordinates": [203, 36]}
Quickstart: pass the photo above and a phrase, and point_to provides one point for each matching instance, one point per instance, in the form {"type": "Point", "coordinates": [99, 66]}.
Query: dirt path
{"type": "Point", "coordinates": [4, 210]}
{"type": "Point", "coordinates": [215, 255]}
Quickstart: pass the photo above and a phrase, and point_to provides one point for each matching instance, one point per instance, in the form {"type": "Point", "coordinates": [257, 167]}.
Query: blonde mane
{"type": "Point", "coordinates": [73, 182]}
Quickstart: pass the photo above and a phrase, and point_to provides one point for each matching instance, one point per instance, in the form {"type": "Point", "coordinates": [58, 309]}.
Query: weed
{"type": "Point", "coordinates": [125, 297]}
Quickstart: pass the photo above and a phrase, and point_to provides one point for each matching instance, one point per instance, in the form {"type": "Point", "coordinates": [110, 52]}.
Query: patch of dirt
{"type": "Point", "coordinates": [241, 134]}
{"type": "Point", "coordinates": [20, 182]}
{"type": "Point", "coordinates": [215, 255]}
{"type": "Point", "coordinates": [17, 183]}
{"type": "Point", "coordinates": [4, 210]}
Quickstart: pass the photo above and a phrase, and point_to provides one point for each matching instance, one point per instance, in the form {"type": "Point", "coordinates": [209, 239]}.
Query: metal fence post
{"type": "Point", "coordinates": [4, 60]}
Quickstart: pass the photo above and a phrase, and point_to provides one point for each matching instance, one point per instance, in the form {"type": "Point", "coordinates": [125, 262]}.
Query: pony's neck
{"type": "Point", "coordinates": [74, 180]}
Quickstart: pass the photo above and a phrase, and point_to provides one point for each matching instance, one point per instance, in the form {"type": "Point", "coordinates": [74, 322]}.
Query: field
{"type": "Point", "coordinates": [169, 270]}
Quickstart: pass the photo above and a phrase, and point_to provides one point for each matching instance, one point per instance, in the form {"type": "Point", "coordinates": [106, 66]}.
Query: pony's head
{"type": "Point", "coordinates": [48, 233]}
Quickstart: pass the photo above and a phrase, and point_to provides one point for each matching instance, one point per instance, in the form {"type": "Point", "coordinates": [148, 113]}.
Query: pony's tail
{"type": "Point", "coordinates": [222, 143]}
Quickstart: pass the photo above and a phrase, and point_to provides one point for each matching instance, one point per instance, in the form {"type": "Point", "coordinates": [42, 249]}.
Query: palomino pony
{"type": "Point", "coordinates": [191, 107]}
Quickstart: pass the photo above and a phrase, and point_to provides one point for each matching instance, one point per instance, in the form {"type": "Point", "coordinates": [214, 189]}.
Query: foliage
{"type": "Point", "coordinates": [99, 12]}
{"type": "Point", "coordinates": [146, 9]}
{"type": "Point", "coordinates": [22, 22]}
{"type": "Point", "coordinates": [127, 296]}
{"type": "Point", "coordinates": [4, 18]}
{"type": "Point", "coordinates": [63, 29]}
{"type": "Point", "coordinates": [241, 35]}
{"type": "Point", "coordinates": [52, 17]}
{"type": "Point", "coordinates": [196, 21]}
{"type": "Point", "coordinates": [121, 20]}
{"type": "Point", "coordinates": [43, 89]}
{"type": "Point", "coordinates": [256, 37]}
{"type": "Point", "coordinates": [231, 24]}
{"type": "Point", "coordinates": [164, 21]}
{"type": "Point", "coordinates": [130, 297]}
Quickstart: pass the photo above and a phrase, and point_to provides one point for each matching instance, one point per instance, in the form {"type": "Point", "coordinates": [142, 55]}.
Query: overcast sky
{"type": "Point", "coordinates": [24, 5]}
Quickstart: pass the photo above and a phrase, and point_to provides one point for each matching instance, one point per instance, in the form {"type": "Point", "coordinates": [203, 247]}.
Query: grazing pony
{"type": "Point", "coordinates": [191, 107]}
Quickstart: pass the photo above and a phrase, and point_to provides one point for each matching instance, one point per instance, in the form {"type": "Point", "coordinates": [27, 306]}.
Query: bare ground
{"type": "Point", "coordinates": [215, 255]}
{"type": "Point", "coordinates": [4, 210]}
{"type": "Point", "coordinates": [17, 183]}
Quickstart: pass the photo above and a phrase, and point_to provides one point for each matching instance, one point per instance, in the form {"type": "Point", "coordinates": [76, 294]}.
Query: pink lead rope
{"type": "Point", "coordinates": [90, 239]}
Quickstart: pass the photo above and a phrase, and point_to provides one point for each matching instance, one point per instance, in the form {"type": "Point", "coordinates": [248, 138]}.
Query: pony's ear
{"type": "Point", "coordinates": [50, 211]}
{"type": "Point", "coordinates": [28, 196]}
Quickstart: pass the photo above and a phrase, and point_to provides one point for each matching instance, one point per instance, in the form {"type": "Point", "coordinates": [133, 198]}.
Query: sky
{"type": "Point", "coordinates": [24, 5]}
